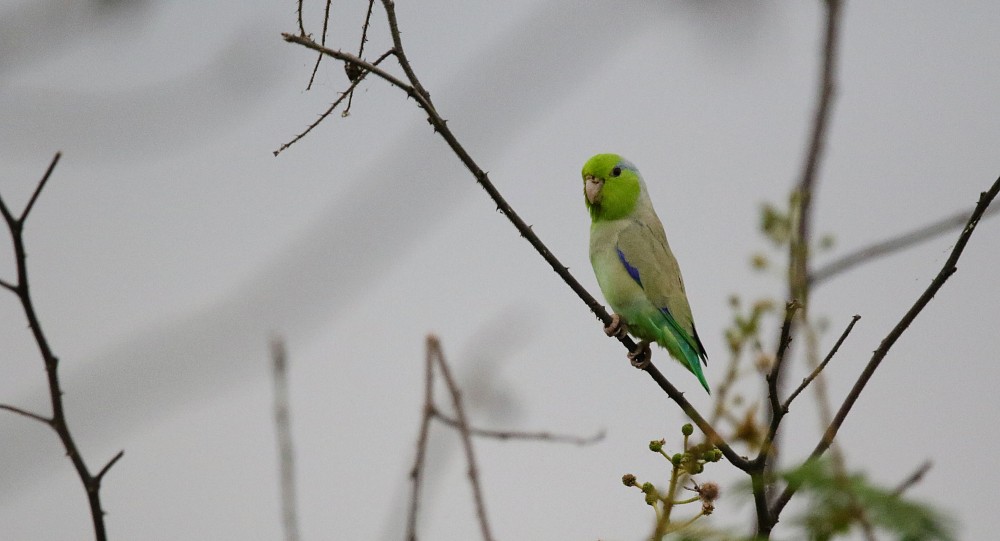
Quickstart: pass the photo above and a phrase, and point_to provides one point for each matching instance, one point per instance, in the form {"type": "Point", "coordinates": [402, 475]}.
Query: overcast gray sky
{"type": "Point", "coordinates": [170, 245]}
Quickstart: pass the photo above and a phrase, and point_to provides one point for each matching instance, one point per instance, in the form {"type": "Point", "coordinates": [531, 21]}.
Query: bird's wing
{"type": "Point", "coordinates": [643, 250]}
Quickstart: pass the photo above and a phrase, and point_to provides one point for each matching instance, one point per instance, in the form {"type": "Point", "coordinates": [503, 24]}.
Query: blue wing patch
{"type": "Point", "coordinates": [632, 271]}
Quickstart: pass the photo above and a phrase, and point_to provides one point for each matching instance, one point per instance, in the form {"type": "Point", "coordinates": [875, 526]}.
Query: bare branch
{"type": "Point", "coordinates": [417, 472]}
{"type": "Point", "coordinates": [364, 29]}
{"type": "Point", "coordinates": [26, 413]}
{"type": "Point", "coordinates": [319, 57]}
{"type": "Point", "coordinates": [415, 90]}
{"type": "Point", "coordinates": [91, 483]}
{"type": "Point", "coordinates": [107, 467]}
{"type": "Point", "coordinates": [892, 245]}
{"type": "Point", "coordinates": [363, 64]}
{"type": "Point", "coordinates": [350, 90]}
{"type": "Point", "coordinates": [767, 447]}
{"type": "Point", "coordinates": [833, 351]}
{"type": "Point", "coordinates": [913, 479]}
{"type": "Point", "coordinates": [519, 435]}
{"type": "Point", "coordinates": [463, 428]}
{"type": "Point", "coordinates": [302, 28]}
{"type": "Point", "coordinates": [352, 72]}
{"type": "Point", "coordinates": [798, 246]}
{"type": "Point", "coordinates": [38, 189]}
{"type": "Point", "coordinates": [879, 355]}
{"type": "Point", "coordinates": [784, 339]}
{"type": "Point", "coordinates": [286, 447]}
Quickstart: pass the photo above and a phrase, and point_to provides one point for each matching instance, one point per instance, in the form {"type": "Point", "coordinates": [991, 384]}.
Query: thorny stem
{"type": "Point", "coordinates": [91, 483]}
{"type": "Point", "coordinates": [416, 91]}
{"type": "Point", "coordinates": [947, 270]}
{"type": "Point", "coordinates": [808, 379]}
{"type": "Point", "coordinates": [799, 249]}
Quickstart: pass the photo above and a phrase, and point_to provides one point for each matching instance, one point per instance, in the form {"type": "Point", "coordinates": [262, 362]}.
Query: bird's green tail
{"type": "Point", "coordinates": [683, 350]}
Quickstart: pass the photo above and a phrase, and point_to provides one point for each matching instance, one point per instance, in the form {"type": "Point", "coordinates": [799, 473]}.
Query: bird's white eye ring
{"type": "Point", "coordinates": [617, 171]}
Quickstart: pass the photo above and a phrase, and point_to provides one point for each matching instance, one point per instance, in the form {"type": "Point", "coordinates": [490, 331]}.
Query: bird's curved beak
{"type": "Point", "coordinates": [592, 188]}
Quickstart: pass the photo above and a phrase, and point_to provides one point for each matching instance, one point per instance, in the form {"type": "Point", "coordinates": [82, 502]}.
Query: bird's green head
{"type": "Point", "coordinates": [611, 187]}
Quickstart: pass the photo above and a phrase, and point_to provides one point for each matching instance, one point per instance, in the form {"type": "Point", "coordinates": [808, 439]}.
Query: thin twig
{"type": "Point", "coordinates": [463, 428]}
{"type": "Point", "coordinates": [333, 106]}
{"type": "Point", "coordinates": [26, 413]}
{"type": "Point", "coordinates": [892, 245]}
{"type": "Point", "coordinates": [415, 90]}
{"type": "Point", "coordinates": [319, 58]}
{"type": "Point", "coordinates": [91, 483]}
{"type": "Point", "coordinates": [784, 339]}
{"type": "Point", "coordinates": [361, 54]}
{"type": "Point", "coordinates": [417, 472]}
{"type": "Point", "coordinates": [110, 463]}
{"type": "Point", "coordinates": [913, 479]}
{"type": "Point", "coordinates": [38, 189]}
{"type": "Point", "coordinates": [302, 28]}
{"type": "Point", "coordinates": [768, 449]}
{"type": "Point", "coordinates": [798, 246]}
{"type": "Point", "coordinates": [519, 435]}
{"type": "Point", "coordinates": [283, 432]}
{"type": "Point", "coordinates": [947, 270]}
{"type": "Point", "coordinates": [833, 351]}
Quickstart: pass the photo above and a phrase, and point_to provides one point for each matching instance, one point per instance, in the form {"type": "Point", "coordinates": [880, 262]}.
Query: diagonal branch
{"type": "Point", "coordinates": [947, 270]}
{"type": "Point", "coordinates": [440, 126]}
{"type": "Point", "coordinates": [345, 94]}
{"type": "Point", "coordinates": [14, 409]}
{"type": "Point", "coordinates": [913, 479]}
{"type": "Point", "coordinates": [38, 189]}
{"type": "Point", "coordinates": [833, 351]}
{"type": "Point", "coordinates": [892, 245]}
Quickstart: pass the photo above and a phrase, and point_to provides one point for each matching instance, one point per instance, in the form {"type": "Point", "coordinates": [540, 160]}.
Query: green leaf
{"type": "Point", "coordinates": [840, 503]}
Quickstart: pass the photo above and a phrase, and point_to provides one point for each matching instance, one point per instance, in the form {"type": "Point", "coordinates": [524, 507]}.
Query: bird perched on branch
{"type": "Point", "coordinates": [635, 268]}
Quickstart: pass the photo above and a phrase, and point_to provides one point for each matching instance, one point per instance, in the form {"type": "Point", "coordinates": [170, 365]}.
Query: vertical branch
{"type": "Point", "coordinates": [947, 270]}
{"type": "Point", "coordinates": [799, 246]}
{"type": "Point", "coordinates": [352, 71]}
{"type": "Point", "coordinates": [91, 483]}
{"type": "Point", "coordinates": [802, 200]}
{"type": "Point", "coordinates": [417, 473]}
{"type": "Point", "coordinates": [298, 12]}
{"type": "Point", "coordinates": [283, 431]}
{"type": "Point", "coordinates": [319, 58]}
{"type": "Point", "coordinates": [434, 346]}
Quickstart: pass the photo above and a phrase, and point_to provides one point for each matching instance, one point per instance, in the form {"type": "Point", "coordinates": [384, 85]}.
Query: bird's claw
{"type": "Point", "coordinates": [642, 356]}
{"type": "Point", "coordinates": [617, 327]}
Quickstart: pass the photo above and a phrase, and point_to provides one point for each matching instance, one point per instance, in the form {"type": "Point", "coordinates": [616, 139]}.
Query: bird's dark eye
{"type": "Point", "coordinates": [617, 171]}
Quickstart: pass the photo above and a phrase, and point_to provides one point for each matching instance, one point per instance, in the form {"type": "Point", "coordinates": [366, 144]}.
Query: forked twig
{"type": "Point", "coordinates": [947, 270]}
{"type": "Point", "coordinates": [416, 91]}
{"type": "Point", "coordinates": [435, 358]}
{"type": "Point", "coordinates": [833, 351]}
{"type": "Point", "coordinates": [20, 288]}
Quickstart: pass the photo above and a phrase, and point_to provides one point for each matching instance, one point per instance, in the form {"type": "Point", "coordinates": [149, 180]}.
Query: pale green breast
{"type": "Point", "coordinates": [624, 295]}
